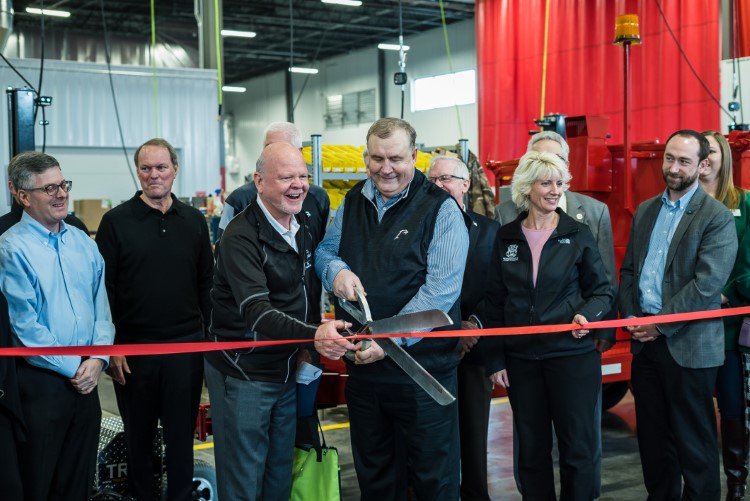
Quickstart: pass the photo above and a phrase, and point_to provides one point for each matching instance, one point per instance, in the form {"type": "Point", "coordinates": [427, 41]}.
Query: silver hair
{"type": "Point", "coordinates": [552, 136]}
{"type": "Point", "coordinates": [291, 131]}
{"type": "Point", "coordinates": [533, 166]}
{"type": "Point", "coordinates": [459, 167]}
{"type": "Point", "coordinates": [24, 166]}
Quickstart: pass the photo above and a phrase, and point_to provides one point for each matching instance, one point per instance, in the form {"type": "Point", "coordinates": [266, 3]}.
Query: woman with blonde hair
{"type": "Point", "coordinates": [716, 180]}
{"type": "Point", "coordinates": [546, 269]}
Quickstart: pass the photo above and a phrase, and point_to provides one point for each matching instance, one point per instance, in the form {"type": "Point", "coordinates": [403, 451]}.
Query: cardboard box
{"type": "Point", "coordinates": [91, 212]}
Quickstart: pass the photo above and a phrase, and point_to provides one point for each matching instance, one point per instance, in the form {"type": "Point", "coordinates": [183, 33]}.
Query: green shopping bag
{"type": "Point", "coordinates": [315, 474]}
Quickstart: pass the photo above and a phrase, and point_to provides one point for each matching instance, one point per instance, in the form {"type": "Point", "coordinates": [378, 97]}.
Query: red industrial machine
{"type": "Point", "coordinates": [599, 171]}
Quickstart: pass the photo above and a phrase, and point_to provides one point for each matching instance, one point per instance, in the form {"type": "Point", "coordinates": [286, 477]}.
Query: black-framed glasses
{"type": "Point", "coordinates": [444, 179]}
{"type": "Point", "coordinates": [52, 189]}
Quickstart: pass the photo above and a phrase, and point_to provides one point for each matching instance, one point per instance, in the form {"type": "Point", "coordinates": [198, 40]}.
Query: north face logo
{"type": "Point", "coordinates": [564, 241]}
{"type": "Point", "coordinates": [511, 253]}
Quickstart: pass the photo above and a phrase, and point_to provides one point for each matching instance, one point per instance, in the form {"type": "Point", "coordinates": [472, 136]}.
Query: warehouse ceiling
{"type": "Point", "coordinates": [320, 30]}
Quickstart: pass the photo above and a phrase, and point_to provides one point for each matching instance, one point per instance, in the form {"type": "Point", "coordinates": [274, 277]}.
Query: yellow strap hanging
{"type": "Point", "coordinates": [544, 56]}
{"type": "Point", "coordinates": [218, 54]}
{"type": "Point", "coordinates": [153, 64]}
{"type": "Point", "coordinates": [450, 63]}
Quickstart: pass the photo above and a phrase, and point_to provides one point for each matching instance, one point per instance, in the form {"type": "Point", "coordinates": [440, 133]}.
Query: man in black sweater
{"type": "Point", "coordinates": [159, 269]}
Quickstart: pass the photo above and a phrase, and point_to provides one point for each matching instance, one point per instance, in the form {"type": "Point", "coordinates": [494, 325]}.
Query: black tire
{"type": "Point", "coordinates": [612, 393]}
{"type": "Point", "coordinates": [204, 482]}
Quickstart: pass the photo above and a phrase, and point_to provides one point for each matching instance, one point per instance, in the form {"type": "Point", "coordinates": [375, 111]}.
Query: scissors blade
{"type": "Point", "coordinates": [410, 322]}
{"type": "Point", "coordinates": [361, 312]}
{"type": "Point", "coordinates": [416, 372]}
{"type": "Point", "coordinates": [413, 322]}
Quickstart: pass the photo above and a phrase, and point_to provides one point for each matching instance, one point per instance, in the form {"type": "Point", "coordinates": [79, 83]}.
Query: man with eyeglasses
{"type": "Point", "coordinates": [264, 289]}
{"type": "Point", "coordinates": [53, 280]}
{"type": "Point", "coordinates": [159, 273]}
{"type": "Point", "coordinates": [474, 387]}
{"type": "Point", "coordinates": [11, 420]}
{"type": "Point", "coordinates": [595, 214]}
{"type": "Point", "coordinates": [403, 241]}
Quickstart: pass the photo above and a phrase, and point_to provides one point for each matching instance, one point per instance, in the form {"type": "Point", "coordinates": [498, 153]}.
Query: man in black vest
{"type": "Point", "coordinates": [474, 387]}
{"type": "Point", "coordinates": [403, 241]}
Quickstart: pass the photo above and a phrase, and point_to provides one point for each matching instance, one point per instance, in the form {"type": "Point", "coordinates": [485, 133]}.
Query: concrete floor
{"type": "Point", "coordinates": [621, 475]}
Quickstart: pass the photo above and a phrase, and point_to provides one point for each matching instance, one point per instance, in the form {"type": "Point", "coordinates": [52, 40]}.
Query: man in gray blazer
{"type": "Point", "coordinates": [595, 214]}
{"type": "Point", "coordinates": [681, 250]}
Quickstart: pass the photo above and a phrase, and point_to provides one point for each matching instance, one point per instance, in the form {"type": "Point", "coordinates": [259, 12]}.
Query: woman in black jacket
{"type": "Point", "coordinates": [546, 269]}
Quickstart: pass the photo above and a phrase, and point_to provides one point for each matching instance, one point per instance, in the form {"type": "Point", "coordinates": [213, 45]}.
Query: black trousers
{"type": "Point", "coordinates": [164, 388]}
{"type": "Point", "coordinates": [388, 420]}
{"type": "Point", "coordinates": [474, 395]}
{"type": "Point", "coordinates": [676, 422]}
{"type": "Point", "coordinates": [562, 392]}
{"type": "Point", "coordinates": [10, 475]}
{"type": "Point", "coordinates": [59, 456]}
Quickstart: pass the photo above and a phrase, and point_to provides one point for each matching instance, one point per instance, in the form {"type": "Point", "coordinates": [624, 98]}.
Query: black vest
{"type": "Point", "coordinates": [390, 258]}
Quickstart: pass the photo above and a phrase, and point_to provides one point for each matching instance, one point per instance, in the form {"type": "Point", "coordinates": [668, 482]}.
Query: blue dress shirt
{"type": "Point", "coordinates": [449, 245]}
{"type": "Point", "coordinates": [54, 284]}
{"type": "Point", "coordinates": [652, 276]}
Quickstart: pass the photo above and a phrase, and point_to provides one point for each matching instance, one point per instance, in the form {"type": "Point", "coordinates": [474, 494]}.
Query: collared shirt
{"type": "Point", "coordinates": [54, 284]}
{"type": "Point", "coordinates": [443, 285]}
{"type": "Point", "coordinates": [652, 275]}
{"type": "Point", "coordinates": [159, 271]}
{"type": "Point", "coordinates": [288, 235]}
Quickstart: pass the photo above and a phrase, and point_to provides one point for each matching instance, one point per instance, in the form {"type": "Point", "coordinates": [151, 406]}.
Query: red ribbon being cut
{"type": "Point", "coordinates": [172, 348]}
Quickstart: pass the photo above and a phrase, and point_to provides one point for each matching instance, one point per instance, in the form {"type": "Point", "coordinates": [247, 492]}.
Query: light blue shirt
{"type": "Point", "coordinates": [652, 275]}
{"type": "Point", "coordinates": [54, 284]}
{"type": "Point", "coordinates": [446, 254]}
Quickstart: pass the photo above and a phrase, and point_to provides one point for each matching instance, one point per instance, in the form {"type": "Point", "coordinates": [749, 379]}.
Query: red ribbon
{"type": "Point", "coordinates": [172, 348]}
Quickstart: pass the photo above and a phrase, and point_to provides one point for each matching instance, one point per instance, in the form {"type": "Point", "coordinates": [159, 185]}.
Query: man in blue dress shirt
{"type": "Point", "coordinates": [53, 279]}
{"type": "Point", "coordinates": [681, 250]}
{"type": "Point", "coordinates": [403, 241]}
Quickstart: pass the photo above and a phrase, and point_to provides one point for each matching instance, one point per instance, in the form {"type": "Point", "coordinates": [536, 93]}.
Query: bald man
{"type": "Point", "coordinates": [258, 295]}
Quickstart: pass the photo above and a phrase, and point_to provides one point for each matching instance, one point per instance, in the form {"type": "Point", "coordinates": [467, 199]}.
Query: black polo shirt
{"type": "Point", "coordinates": [159, 271]}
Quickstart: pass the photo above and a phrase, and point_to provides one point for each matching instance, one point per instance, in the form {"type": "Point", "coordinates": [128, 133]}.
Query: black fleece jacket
{"type": "Point", "coordinates": [570, 280]}
{"type": "Point", "coordinates": [263, 290]}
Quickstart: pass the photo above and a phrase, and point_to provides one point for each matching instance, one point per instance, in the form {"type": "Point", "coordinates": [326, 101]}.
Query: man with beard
{"type": "Point", "coordinates": [681, 250]}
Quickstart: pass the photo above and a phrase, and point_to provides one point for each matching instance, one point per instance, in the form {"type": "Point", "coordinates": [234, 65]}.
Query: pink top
{"type": "Point", "coordinates": [536, 240]}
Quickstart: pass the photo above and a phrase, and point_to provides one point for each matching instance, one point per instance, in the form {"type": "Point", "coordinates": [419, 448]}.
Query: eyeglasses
{"type": "Point", "coordinates": [444, 179]}
{"type": "Point", "coordinates": [52, 189]}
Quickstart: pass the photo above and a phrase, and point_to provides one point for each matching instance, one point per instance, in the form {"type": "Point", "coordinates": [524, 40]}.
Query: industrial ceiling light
{"type": "Point", "coordinates": [350, 3]}
{"type": "Point", "coordinates": [392, 46]}
{"type": "Point", "coordinates": [47, 12]}
{"type": "Point", "coordinates": [231, 88]}
{"type": "Point", "coordinates": [237, 33]}
{"type": "Point", "coordinates": [299, 69]}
